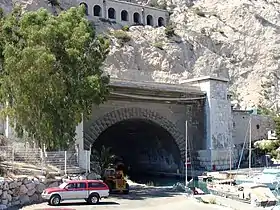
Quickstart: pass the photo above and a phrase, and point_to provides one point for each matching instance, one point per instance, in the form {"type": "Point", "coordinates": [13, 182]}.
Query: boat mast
{"type": "Point", "coordinates": [230, 164]}
{"type": "Point", "coordinates": [186, 164]}
{"type": "Point", "coordinates": [250, 144]}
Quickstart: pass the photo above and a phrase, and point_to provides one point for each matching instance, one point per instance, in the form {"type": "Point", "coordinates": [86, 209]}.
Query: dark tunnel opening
{"type": "Point", "coordinates": [145, 147]}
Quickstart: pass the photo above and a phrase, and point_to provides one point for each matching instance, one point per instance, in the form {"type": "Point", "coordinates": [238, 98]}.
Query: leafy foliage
{"type": "Point", "coordinates": [158, 45]}
{"type": "Point", "coordinates": [268, 147]}
{"type": "Point", "coordinates": [169, 31]}
{"type": "Point", "coordinates": [125, 28]}
{"type": "Point", "coordinates": [103, 158]}
{"type": "Point", "coordinates": [277, 126]}
{"type": "Point", "coordinates": [122, 36]}
{"type": "Point", "coordinates": [51, 73]}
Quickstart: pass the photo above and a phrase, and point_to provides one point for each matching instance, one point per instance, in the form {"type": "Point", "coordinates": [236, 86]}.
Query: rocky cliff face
{"type": "Point", "coordinates": [237, 39]}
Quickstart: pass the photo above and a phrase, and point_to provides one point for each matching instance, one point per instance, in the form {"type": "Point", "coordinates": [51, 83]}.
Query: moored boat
{"type": "Point", "coordinates": [258, 195]}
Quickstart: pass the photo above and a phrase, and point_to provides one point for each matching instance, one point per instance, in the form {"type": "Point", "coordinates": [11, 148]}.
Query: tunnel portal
{"type": "Point", "coordinates": [144, 146]}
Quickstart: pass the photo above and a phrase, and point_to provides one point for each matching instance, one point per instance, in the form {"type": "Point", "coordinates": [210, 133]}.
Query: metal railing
{"type": "Point", "coordinates": [35, 161]}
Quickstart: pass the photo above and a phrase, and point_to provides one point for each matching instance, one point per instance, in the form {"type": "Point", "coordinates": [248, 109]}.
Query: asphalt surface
{"type": "Point", "coordinates": [140, 199]}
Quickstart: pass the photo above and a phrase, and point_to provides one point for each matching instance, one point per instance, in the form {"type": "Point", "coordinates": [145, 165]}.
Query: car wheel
{"type": "Point", "coordinates": [55, 200]}
{"type": "Point", "coordinates": [126, 191]}
{"type": "Point", "coordinates": [93, 199]}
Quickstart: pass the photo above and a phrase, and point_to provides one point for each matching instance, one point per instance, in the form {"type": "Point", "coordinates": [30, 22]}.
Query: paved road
{"type": "Point", "coordinates": [140, 199]}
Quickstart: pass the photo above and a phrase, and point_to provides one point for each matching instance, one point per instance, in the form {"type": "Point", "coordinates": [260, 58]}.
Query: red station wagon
{"type": "Point", "coordinates": [90, 190]}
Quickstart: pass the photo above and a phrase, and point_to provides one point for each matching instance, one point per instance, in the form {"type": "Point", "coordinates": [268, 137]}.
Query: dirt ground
{"type": "Point", "coordinates": [148, 198]}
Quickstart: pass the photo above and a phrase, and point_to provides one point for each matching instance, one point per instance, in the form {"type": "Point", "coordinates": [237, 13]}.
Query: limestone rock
{"type": "Point", "coordinates": [2, 206]}
{"type": "Point", "coordinates": [236, 39]}
{"type": "Point", "coordinates": [15, 203]}
{"type": "Point", "coordinates": [15, 198]}
{"type": "Point", "coordinates": [5, 202]}
{"type": "Point", "coordinates": [24, 199]}
{"type": "Point", "coordinates": [26, 181]}
{"type": "Point", "coordinates": [40, 188]}
{"type": "Point", "coordinates": [34, 198]}
{"type": "Point", "coordinates": [36, 181]}
{"type": "Point", "coordinates": [23, 190]}
{"type": "Point", "coordinates": [31, 192]}
{"type": "Point", "coordinates": [30, 186]}
{"type": "Point", "coordinates": [4, 195]}
{"type": "Point", "coordinates": [54, 184]}
{"type": "Point", "coordinates": [5, 186]}
{"type": "Point", "coordinates": [13, 185]}
{"type": "Point", "coordinates": [9, 197]}
{"type": "Point", "coordinates": [19, 183]}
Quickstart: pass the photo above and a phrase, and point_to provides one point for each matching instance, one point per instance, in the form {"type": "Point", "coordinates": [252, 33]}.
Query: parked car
{"type": "Point", "coordinates": [89, 190]}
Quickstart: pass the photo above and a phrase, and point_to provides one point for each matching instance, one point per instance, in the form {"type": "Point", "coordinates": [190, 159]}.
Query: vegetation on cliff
{"type": "Point", "coordinates": [50, 73]}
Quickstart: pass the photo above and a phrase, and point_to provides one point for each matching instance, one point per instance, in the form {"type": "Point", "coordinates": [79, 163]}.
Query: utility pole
{"type": "Point", "coordinates": [250, 144]}
{"type": "Point", "coordinates": [186, 164]}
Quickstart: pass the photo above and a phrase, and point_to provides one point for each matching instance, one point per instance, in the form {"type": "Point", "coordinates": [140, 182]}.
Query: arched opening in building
{"type": "Point", "coordinates": [144, 147]}
{"type": "Point", "coordinates": [136, 18]}
{"type": "Point", "coordinates": [111, 13]}
{"type": "Point", "coordinates": [124, 15]}
{"type": "Point", "coordinates": [160, 21]}
{"type": "Point", "coordinates": [150, 20]}
{"type": "Point", "coordinates": [97, 11]}
{"type": "Point", "coordinates": [86, 7]}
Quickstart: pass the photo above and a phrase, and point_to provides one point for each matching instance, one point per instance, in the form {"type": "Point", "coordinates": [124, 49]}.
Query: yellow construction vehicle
{"type": "Point", "coordinates": [114, 178]}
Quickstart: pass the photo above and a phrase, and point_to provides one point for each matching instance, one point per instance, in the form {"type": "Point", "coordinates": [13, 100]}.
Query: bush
{"type": "Point", "coordinates": [169, 31]}
{"type": "Point", "coordinates": [268, 147]}
{"type": "Point", "coordinates": [122, 36]}
{"type": "Point", "coordinates": [199, 13]}
{"type": "Point", "coordinates": [158, 45]}
{"type": "Point", "coordinates": [125, 28]}
{"type": "Point", "coordinates": [159, 6]}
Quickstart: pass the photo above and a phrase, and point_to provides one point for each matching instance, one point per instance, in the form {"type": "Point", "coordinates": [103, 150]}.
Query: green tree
{"type": "Point", "coordinates": [103, 158]}
{"type": "Point", "coordinates": [51, 73]}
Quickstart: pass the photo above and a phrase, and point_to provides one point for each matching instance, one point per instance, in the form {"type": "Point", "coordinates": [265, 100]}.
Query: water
{"type": "Point", "coordinates": [157, 180]}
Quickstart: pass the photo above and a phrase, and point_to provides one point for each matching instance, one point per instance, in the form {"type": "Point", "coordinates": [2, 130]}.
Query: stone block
{"type": "Point", "coordinates": [2, 206]}
{"type": "Point", "coordinates": [13, 185]}
{"type": "Point", "coordinates": [40, 188]}
{"type": "Point", "coordinates": [23, 190]}
{"type": "Point", "coordinates": [34, 198]}
{"type": "Point", "coordinates": [31, 192]}
{"type": "Point", "coordinates": [30, 186]}
{"type": "Point", "coordinates": [5, 202]}
{"type": "Point", "coordinates": [15, 203]}
{"type": "Point", "coordinates": [5, 186]}
{"type": "Point", "coordinates": [4, 195]}
{"type": "Point", "coordinates": [24, 199]}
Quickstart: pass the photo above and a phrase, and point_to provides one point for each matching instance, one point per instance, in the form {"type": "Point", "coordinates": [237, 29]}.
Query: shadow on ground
{"type": "Point", "coordinates": [67, 205]}
{"type": "Point", "coordinates": [141, 193]}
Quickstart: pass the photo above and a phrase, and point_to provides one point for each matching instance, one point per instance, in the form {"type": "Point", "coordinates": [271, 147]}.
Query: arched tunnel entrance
{"type": "Point", "coordinates": [145, 147]}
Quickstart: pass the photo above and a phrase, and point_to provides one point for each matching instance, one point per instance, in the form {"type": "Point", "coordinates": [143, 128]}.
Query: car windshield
{"type": "Point", "coordinates": [63, 185]}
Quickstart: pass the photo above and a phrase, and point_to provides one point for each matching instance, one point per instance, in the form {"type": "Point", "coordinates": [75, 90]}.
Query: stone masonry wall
{"type": "Point", "coordinates": [158, 17]}
{"type": "Point", "coordinates": [218, 123]}
{"type": "Point", "coordinates": [260, 126]}
{"type": "Point", "coordinates": [170, 116]}
{"type": "Point", "coordinates": [24, 190]}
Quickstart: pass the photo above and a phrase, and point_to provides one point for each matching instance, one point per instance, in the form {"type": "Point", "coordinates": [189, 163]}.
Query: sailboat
{"type": "Point", "coordinates": [268, 177]}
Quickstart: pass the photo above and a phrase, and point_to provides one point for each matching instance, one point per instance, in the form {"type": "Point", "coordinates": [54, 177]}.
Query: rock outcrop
{"type": "Point", "coordinates": [24, 190]}
{"type": "Point", "coordinates": [238, 39]}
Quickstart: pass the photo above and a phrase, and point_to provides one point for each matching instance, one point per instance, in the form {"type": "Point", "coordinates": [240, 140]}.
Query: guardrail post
{"type": "Point", "coordinates": [42, 159]}
{"type": "Point", "coordinates": [89, 158]}
{"type": "Point", "coordinates": [13, 158]}
{"type": "Point", "coordinates": [65, 162]}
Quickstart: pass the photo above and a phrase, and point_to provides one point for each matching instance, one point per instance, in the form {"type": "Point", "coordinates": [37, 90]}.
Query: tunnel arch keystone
{"type": "Point", "coordinates": [110, 118]}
